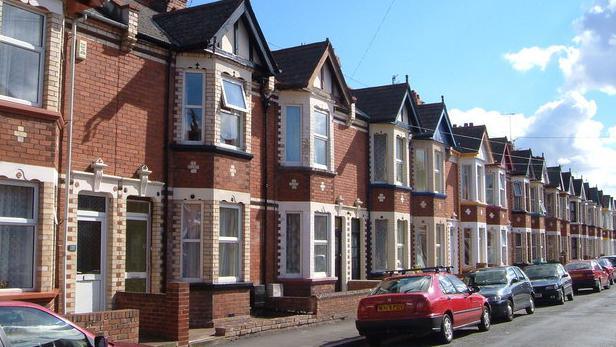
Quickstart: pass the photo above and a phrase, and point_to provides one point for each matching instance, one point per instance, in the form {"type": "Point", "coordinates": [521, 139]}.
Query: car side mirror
{"type": "Point", "coordinates": [515, 280]}
{"type": "Point", "coordinates": [473, 289]}
{"type": "Point", "coordinates": [100, 341]}
{"type": "Point", "coordinates": [565, 275]}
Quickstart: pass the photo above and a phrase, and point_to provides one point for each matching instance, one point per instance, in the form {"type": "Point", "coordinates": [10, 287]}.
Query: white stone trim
{"type": "Point", "coordinates": [211, 194]}
{"type": "Point", "coordinates": [28, 172]}
{"type": "Point", "coordinates": [84, 181]}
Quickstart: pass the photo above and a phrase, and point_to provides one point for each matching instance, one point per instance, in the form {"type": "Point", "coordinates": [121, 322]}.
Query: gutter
{"type": "Point", "coordinates": [165, 198]}
{"type": "Point", "coordinates": [266, 104]}
{"type": "Point", "coordinates": [69, 158]}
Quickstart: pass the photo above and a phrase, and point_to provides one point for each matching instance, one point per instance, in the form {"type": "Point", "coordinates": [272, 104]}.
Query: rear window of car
{"type": "Point", "coordinates": [612, 260]}
{"type": "Point", "coordinates": [605, 262]}
{"type": "Point", "coordinates": [541, 271]}
{"type": "Point", "coordinates": [578, 266]}
{"type": "Point", "coordinates": [403, 285]}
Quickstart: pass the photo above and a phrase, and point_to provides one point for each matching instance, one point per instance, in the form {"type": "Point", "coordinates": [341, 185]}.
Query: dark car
{"type": "Point", "coordinates": [607, 265]}
{"type": "Point", "coordinates": [507, 289]}
{"type": "Point", "coordinates": [430, 301]}
{"type": "Point", "coordinates": [611, 258]}
{"type": "Point", "coordinates": [550, 282]}
{"type": "Point", "coordinates": [588, 274]}
{"type": "Point", "coordinates": [27, 324]}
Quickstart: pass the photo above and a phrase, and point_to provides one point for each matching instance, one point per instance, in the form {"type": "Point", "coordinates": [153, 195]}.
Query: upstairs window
{"type": "Point", "coordinates": [503, 189]}
{"type": "Point", "coordinates": [22, 51]}
{"type": "Point", "coordinates": [231, 128]}
{"type": "Point", "coordinates": [293, 134]}
{"type": "Point", "coordinates": [380, 157]}
{"type": "Point", "coordinates": [438, 172]}
{"type": "Point", "coordinates": [321, 139]}
{"type": "Point", "coordinates": [194, 101]}
{"type": "Point", "coordinates": [534, 203]}
{"type": "Point", "coordinates": [421, 177]}
{"type": "Point", "coordinates": [400, 159]}
{"type": "Point", "coordinates": [480, 186]}
{"type": "Point", "coordinates": [518, 196]}
{"type": "Point", "coordinates": [490, 189]}
{"type": "Point", "coordinates": [233, 95]}
{"type": "Point", "coordinates": [466, 182]}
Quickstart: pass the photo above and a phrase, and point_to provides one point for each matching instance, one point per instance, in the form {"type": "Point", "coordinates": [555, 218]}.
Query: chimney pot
{"type": "Point", "coordinates": [470, 124]}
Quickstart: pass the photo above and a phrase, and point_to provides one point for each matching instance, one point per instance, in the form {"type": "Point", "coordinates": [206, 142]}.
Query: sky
{"type": "Point", "coordinates": [541, 71]}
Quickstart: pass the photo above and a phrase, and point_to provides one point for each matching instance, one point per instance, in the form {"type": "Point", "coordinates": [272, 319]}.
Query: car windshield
{"type": "Point", "coordinates": [488, 277]}
{"type": "Point", "coordinates": [578, 266]}
{"type": "Point", "coordinates": [605, 262]}
{"type": "Point", "coordinates": [403, 285]}
{"type": "Point", "coordinates": [536, 272]}
{"type": "Point", "coordinates": [612, 260]}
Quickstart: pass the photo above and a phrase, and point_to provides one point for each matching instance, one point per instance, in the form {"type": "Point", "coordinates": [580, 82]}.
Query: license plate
{"type": "Point", "coordinates": [538, 295]}
{"type": "Point", "coordinates": [390, 307]}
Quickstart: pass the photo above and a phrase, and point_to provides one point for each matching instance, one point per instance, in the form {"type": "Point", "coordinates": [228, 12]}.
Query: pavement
{"type": "Point", "coordinates": [586, 321]}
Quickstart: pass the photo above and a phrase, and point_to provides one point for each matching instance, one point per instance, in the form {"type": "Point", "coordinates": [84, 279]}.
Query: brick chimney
{"type": "Point", "coordinates": [416, 98]}
{"type": "Point", "coordinates": [164, 5]}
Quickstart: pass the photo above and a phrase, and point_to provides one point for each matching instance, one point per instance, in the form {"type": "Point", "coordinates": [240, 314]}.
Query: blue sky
{"type": "Point", "coordinates": [457, 48]}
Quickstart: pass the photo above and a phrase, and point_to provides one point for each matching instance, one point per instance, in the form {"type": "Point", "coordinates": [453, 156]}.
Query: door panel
{"type": "Point", "coordinates": [89, 281]}
{"type": "Point", "coordinates": [355, 247]}
{"type": "Point", "coordinates": [136, 255]}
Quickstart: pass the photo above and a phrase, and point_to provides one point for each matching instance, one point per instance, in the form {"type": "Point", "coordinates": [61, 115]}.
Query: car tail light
{"type": "Point", "coordinates": [422, 305]}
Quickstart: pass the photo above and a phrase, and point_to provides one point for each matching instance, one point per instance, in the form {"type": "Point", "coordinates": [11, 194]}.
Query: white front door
{"type": "Point", "coordinates": [90, 277]}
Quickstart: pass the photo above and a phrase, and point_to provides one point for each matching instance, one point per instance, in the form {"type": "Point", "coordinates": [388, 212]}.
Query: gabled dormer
{"type": "Point", "coordinates": [553, 190]}
{"type": "Point", "coordinates": [435, 124]}
{"type": "Point", "coordinates": [501, 152]}
{"type": "Point", "coordinates": [392, 116]}
{"type": "Point", "coordinates": [312, 94]}
{"type": "Point", "coordinates": [520, 176]}
{"type": "Point", "coordinates": [476, 156]}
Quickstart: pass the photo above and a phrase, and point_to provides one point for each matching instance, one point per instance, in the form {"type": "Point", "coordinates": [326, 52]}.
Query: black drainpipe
{"type": "Point", "coordinates": [166, 169]}
{"type": "Point", "coordinates": [265, 99]}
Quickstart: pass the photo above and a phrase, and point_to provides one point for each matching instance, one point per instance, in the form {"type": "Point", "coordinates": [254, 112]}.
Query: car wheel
{"type": "Point", "coordinates": [373, 340]}
{"type": "Point", "coordinates": [531, 308]}
{"type": "Point", "coordinates": [570, 296]}
{"type": "Point", "coordinates": [485, 320]}
{"type": "Point", "coordinates": [446, 334]}
{"type": "Point", "coordinates": [608, 285]}
{"type": "Point", "coordinates": [597, 286]}
{"type": "Point", "coordinates": [562, 297]}
{"type": "Point", "coordinates": [509, 311]}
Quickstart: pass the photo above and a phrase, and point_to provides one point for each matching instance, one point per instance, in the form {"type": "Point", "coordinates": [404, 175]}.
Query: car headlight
{"type": "Point", "coordinates": [553, 287]}
{"type": "Point", "coordinates": [496, 298]}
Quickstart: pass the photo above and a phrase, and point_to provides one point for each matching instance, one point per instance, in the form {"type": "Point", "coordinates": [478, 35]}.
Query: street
{"type": "Point", "coordinates": [586, 321]}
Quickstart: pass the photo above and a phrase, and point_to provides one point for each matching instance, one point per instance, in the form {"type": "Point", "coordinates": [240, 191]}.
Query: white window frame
{"type": "Point", "coordinates": [28, 46]}
{"type": "Point", "coordinates": [138, 216]}
{"type": "Point", "coordinates": [326, 242]}
{"type": "Point", "coordinates": [465, 181]}
{"type": "Point", "coordinates": [401, 245]}
{"type": "Point", "coordinates": [27, 222]}
{"type": "Point", "coordinates": [421, 186]}
{"type": "Point", "coordinates": [185, 106]}
{"type": "Point", "coordinates": [438, 172]}
{"type": "Point", "coordinates": [286, 137]}
{"type": "Point", "coordinates": [182, 241]}
{"type": "Point", "coordinates": [240, 131]}
{"type": "Point", "coordinates": [441, 244]}
{"type": "Point", "coordinates": [519, 197]}
{"type": "Point", "coordinates": [490, 192]}
{"type": "Point", "coordinates": [326, 138]}
{"type": "Point", "coordinates": [286, 230]}
{"type": "Point", "coordinates": [224, 95]}
{"type": "Point", "coordinates": [400, 152]}
{"type": "Point", "coordinates": [232, 240]}
{"type": "Point", "coordinates": [502, 189]}
{"type": "Point", "coordinates": [480, 187]}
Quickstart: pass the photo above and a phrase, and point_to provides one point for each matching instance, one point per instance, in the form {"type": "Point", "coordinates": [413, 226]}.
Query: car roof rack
{"type": "Point", "coordinates": [435, 269]}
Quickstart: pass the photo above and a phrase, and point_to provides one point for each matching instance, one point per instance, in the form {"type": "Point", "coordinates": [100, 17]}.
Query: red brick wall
{"type": "Point", "coordinates": [119, 325]}
{"type": "Point", "coordinates": [163, 315]}
{"type": "Point", "coordinates": [207, 305]}
{"type": "Point", "coordinates": [307, 287]}
{"type": "Point", "coordinates": [119, 110]}
{"type": "Point", "coordinates": [452, 203]}
{"type": "Point", "coordinates": [340, 304]}
{"type": "Point", "coordinates": [40, 145]}
{"type": "Point", "coordinates": [351, 163]}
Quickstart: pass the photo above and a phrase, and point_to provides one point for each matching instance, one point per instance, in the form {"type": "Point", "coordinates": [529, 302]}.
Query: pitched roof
{"type": "Point", "coordinates": [298, 63]}
{"type": "Point", "coordinates": [381, 103]}
{"type": "Point", "coordinates": [429, 116]}
{"type": "Point", "coordinates": [193, 27]}
{"type": "Point", "coordinates": [566, 175]}
{"type": "Point", "coordinates": [555, 177]}
{"type": "Point", "coordinates": [578, 184]}
{"type": "Point", "coordinates": [605, 201]}
{"type": "Point", "coordinates": [587, 190]}
{"type": "Point", "coordinates": [498, 147]}
{"type": "Point", "coordinates": [594, 195]}
{"type": "Point", "coordinates": [469, 138]}
{"type": "Point", "coordinates": [537, 163]}
{"type": "Point", "coordinates": [521, 161]}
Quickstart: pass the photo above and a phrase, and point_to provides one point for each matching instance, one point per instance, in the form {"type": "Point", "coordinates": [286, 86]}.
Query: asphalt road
{"type": "Point", "coordinates": [586, 321]}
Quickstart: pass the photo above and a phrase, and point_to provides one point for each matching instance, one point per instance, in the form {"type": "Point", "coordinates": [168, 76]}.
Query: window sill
{"type": "Point", "coordinates": [21, 295]}
{"type": "Point", "coordinates": [237, 153]}
{"type": "Point", "coordinates": [391, 186]}
{"type": "Point", "coordinates": [221, 286]}
{"type": "Point", "coordinates": [308, 169]}
{"type": "Point", "coordinates": [433, 194]}
{"type": "Point", "coordinates": [31, 111]}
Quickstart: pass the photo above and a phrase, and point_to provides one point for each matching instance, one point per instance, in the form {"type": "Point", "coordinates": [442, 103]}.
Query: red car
{"type": "Point", "coordinates": [588, 274]}
{"type": "Point", "coordinates": [27, 324]}
{"type": "Point", "coordinates": [607, 265]}
{"type": "Point", "coordinates": [431, 301]}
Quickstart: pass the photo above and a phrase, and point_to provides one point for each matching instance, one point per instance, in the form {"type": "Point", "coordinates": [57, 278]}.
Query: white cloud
{"type": "Point", "coordinates": [531, 57]}
{"type": "Point", "coordinates": [498, 124]}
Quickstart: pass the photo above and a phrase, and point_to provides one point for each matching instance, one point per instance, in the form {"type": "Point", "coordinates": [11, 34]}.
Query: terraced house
{"type": "Point", "coordinates": [172, 163]}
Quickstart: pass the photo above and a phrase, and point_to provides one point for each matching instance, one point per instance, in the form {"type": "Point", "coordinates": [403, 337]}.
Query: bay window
{"type": "Point", "coordinates": [490, 189]}
{"type": "Point", "coordinates": [517, 244]}
{"type": "Point", "coordinates": [321, 244]}
{"type": "Point", "coordinates": [194, 103]}
{"type": "Point", "coordinates": [421, 176]}
{"type": "Point", "coordinates": [233, 96]}
{"type": "Point", "coordinates": [438, 172]}
{"type": "Point", "coordinates": [503, 235]}
{"type": "Point", "coordinates": [401, 244]}
{"type": "Point", "coordinates": [379, 251]}
{"type": "Point", "coordinates": [321, 139]}
{"type": "Point", "coordinates": [468, 246]}
{"type": "Point", "coordinates": [192, 219]}
{"type": "Point", "coordinates": [18, 218]}
{"type": "Point", "coordinates": [439, 256]}
{"type": "Point", "coordinates": [293, 250]}
{"type": "Point", "coordinates": [480, 186]}
{"type": "Point", "coordinates": [231, 128]}
{"type": "Point", "coordinates": [22, 51]}
{"type": "Point", "coordinates": [503, 189]}
{"type": "Point", "coordinates": [466, 182]}
{"type": "Point", "coordinates": [231, 117]}
{"type": "Point", "coordinates": [293, 134]}
{"type": "Point", "coordinates": [518, 196]}
{"type": "Point", "coordinates": [400, 159]}
{"type": "Point", "coordinates": [379, 157]}
{"type": "Point", "coordinates": [229, 243]}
